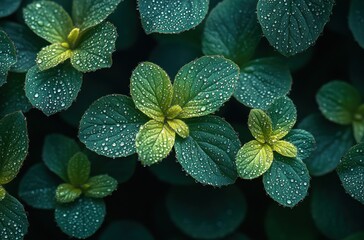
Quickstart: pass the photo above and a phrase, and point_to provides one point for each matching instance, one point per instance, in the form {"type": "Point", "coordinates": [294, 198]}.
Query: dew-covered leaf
{"type": "Point", "coordinates": [52, 55]}
{"type": "Point", "coordinates": [253, 159]}
{"type": "Point", "coordinates": [332, 142]}
{"type": "Point", "coordinates": [351, 172]}
{"type": "Point", "coordinates": [126, 229]}
{"type": "Point", "coordinates": [7, 56]}
{"type": "Point", "coordinates": [48, 20]}
{"type": "Point", "coordinates": [338, 101]}
{"type": "Point", "coordinates": [206, 213]}
{"type": "Point", "coordinates": [7, 7]}
{"type": "Point", "coordinates": [57, 151]}
{"type": "Point", "coordinates": [232, 30]}
{"type": "Point", "coordinates": [53, 90]}
{"type": "Point", "coordinates": [179, 126]}
{"type": "Point", "coordinates": [78, 169]}
{"type": "Point", "coordinates": [208, 153]}
{"type": "Point", "coordinates": [262, 81]}
{"type": "Point", "coordinates": [66, 193]}
{"type": "Point", "coordinates": [285, 148]}
{"type": "Point", "coordinates": [38, 187]}
{"type": "Point", "coordinates": [356, 19]}
{"type": "Point", "coordinates": [13, 219]}
{"type": "Point", "coordinates": [14, 145]}
{"type": "Point", "coordinates": [260, 125]}
{"type": "Point", "coordinates": [303, 141]}
{"type": "Point", "coordinates": [82, 218]}
{"type": "Point", "coordinates": [100, 186]}
{"type": "Point", "coordinates": [171, 16]}
{"type": "Point", "coordinates": [287, 180]}
{"type": "Point", "coordinates": [151, 90]}
{"type": "Point", "coordinates": [109, 126]}
{"type": "Point", "coordinates": [89, 13]}
{"type": "Point", "coordinates": [154, 142]}
{"type": "Point", "coordinates": [95, 49]}
{"type": "Point", "coordinates": [202, 86]}
{"type": "Point", "coordinates": [292, 26]}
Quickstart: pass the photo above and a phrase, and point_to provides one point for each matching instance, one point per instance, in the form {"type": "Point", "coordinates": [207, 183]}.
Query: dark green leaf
{"type": "Point", "coordinates": [287, 180]}
{"type": "Point", "coordinates": [208, 154]}
{"type": "Point", "coordinates": [7, 7]}
{"type": "Point", "coordinates": [171, 16]}
{"type": "Point", "coordinates": [53, 90]}
{"type": "Point", "coordinates": [78, 169]}
{"type": "Point", "coordinates": [206, 213]}
{"type": "Point", "coordinates": [294, 25]}
{"type": "Point", "coordinates": [232, 30]}
{"type": "Point", "coordinates": [81, 218]}
{"type": "Point", "coordinates": [356, 236]}
{"type": "Point", "coordinates": [100, 186]}
{"type": "Point", "coordinates": [7, 56]}
{"type": "Point", "coordinates": [66, 193]}
{"type": "Point", "coordinates": [109, 126]}
{"type": "Point", "coordinates": [126, 230]}
{"type": "Point", "coordinates": [303, 141]}
{"type": "Point", "coordinates": [356, 19]}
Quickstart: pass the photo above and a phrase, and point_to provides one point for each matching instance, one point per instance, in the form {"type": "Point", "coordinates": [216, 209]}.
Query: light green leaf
{"type": "Point", "coordinates": [7, 56]}
{"type": "Point", "coordinates": [303, 141]}
{"type": "Point", "coordinates": [285, 148]}
{"type": "Point", "coordinates": [81, 218]}
{"type": "Point", "coordinates": [66, 193]}
{"type": "Point", "coordinates": [171, 16]}
{"type": "Point", "coordinates": [232, 30]}
{"type": "Point", "coordinates": [292, 26]}
{"type": "Point", "coordinates": [14, 145]}
{"type": "Point", "coordinates": [358, 130]}
{"type": "Point", "coordinates": [283, 114]}
{"type": "Point", "coordinates": [151, 90]}
{"type": "Point", "coordinates": [206, 213]}
{"type": "Point", "coordinates": [2, 192]}
{"type": "Point", "coordinates": [7, 7]}
{"type": "Point", "coordinates": [100, 186]}
{"type": "Point", "coordinates": [356, 18]}
{"type": "Point", "coordinates": [13, 219]}
{"type": "Point", "coordinates": [154, 142]}
{"type": "Point", "coordinates": [351, 172]}
{"type": "Point", "coordinates": [53, 90]}
{"type": "Point", "coordinates": [48, 20]}
{"type": "Point", "coordinates": [78, 169]}
{"type": "Point", "coordinates": [38, 187]}
{"type": "Point", "coordinates": [208, 153]}
{"type": "Point", "coordinates": [89, 13]}
{"type": "Point", "coordinates": [262, 81]}
{"type": "Point", "coordinates": [287, 180]}
{"type": "Point", "coordinates": [338, 101]}
{"type": "Point", "coordinates": [253, 159]}
{"type": "Point", "coordinates": [109, 126]}
{"type": "Point", "coordinates": [179, 126]}
{"type": "Point", "coordinates": [202, 86]}
{"type": "Point", "coordinates": [260, 125]}
{"type": "Point", "coordinates": [52, 55]}
{"type": "Point", "coordinates": [126, 229]}
{"type": "Point", "coordinates": [95, 49]}
{"type": "Point", "coordinates": [57, 151]}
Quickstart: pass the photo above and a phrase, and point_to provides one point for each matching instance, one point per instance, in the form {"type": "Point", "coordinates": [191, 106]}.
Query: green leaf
{"type": "Point", "coordinates": [100, 186]}
{"type": "Point", "coordinates": [89, 13]}
{"type": "Point", "coordinates": [48, 20]}
{"type": "Point", "coordinates": [303, 141]}
{"type": "Point", "coordinates": [202, 86]}
{"type": "Point", "coordinates": [287, 180]}
{"type": "Point", "coordinates": [283, 114]}
{"type": "Point", "coordinates": [7, 7]}
{"type": "Point", "coordinates": [179, 126]}
{"type": "Point", "coordinates": [262, 81]}
{"type": "Point", "coordinates": [38, 187]}
{"type": "Point", "coordinates": [57, 151]}
{"type": "Point", "coordinates": [151, 90]}
{"type": "Point", "coordinates": [338, 101]}
{"type": "Point", "coordinates": [53, 90]}
{"type": "Point", "coordinates": [81, 218]}
{"type": "Point", "coordinates": [351, 172]}
{"type": "Point", "coordinates": [285, 148]}
{"type": "Point", "coordinates": [190, 208]}
{"type": "Point", "coordinates": [292, 26]}
{"type": "Point", "coordinates": [253, 159]}
{"type": "Point", "coordinates": [260, 125]}
{"type": "Point", "coordinates": [7, 56]}
{"type": "Point", "coordinates": [66, 193]}
{"type": "Point", "coordinates": [14, 145]}
{"type": "Point", "coordinates": [95, 49]}
{"type": "Point", "coordinates": [232, 30]}
{"type": "Point", "coordinates": [356, 236]}
{"type": "Point", "coordinates": [12, 95]}
{"type": "Point", "coordinates": [154, 142]}
{"type": "Point", "coordinates": [78, 169]}
{"type": "Point", "coordinates": [170, 16]}
{"type": "Point", "coordinates": [358, 124]}
{"type": "Point", "coordinates": [126, 229]}
{"type": "Point", "coordinates": [13, 219]}
{"type": "Point", "coordinates": [332, 143]}
{"type": "Point", "coordinates": [2, 192]}
{"type": "Point", "coordinates": [208, 153]}
{"type": "Point", "coordinates": [52, 55]}
{"type": "Point", "coordinates": [356, 16]}
{"type": "Point", "coordinates": [109, 126]}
